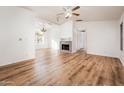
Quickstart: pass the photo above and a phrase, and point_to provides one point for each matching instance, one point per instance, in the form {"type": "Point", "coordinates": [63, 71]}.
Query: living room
{"type": "Point", "coordinates": [64, 47]}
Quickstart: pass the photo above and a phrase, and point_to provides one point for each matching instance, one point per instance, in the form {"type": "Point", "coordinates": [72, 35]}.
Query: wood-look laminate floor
{"type": "Point", "coordinates": [55, 68]}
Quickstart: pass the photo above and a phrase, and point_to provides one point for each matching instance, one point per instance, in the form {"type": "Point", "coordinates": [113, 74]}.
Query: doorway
{"type": "Point", "coordinates": [82, 40]}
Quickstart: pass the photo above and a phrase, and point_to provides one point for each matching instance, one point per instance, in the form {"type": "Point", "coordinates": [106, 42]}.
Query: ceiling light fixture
{"type": "Point", "coordinates": [43, 29]}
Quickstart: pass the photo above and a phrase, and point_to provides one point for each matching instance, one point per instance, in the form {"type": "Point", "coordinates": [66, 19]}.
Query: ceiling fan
{"type": "Point", "coordinates": [68, 12]}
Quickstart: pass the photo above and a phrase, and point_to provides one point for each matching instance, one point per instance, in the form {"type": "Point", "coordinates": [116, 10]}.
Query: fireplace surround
{"type": "Point", "coordinates": [66, 46]}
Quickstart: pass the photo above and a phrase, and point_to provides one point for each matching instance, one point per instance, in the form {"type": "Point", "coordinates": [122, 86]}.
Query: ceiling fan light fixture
{"type": "Point", "coordinates": [68, 15]}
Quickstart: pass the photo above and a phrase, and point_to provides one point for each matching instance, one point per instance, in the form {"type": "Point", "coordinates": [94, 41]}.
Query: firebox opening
{"type": "Point", "coordinates": [65, 46]}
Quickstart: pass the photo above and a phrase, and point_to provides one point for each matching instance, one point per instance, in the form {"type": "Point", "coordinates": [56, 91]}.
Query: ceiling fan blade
{"type": "Point", "coordinates": [67, 17]}
{"type": "Point", "coordinates": [60, 13]}
{"type": "Point", "coordinates": [75, 14]}
{"type": "Point", "coordinates": [75, 8]}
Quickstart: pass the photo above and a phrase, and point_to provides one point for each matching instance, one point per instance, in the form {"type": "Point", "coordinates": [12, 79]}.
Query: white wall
{"type": "Point", "coordinates": [67, 30]}
{"type": "Point", "coordinates": [16, 23]}
{"type": "Point", "coordinates": [75, 38]}
{"type": "Point", "coordinates": [54, 37]}
{"type": "Point", "coordinates": [122, 52]}
{"type": "Point", "coordinates": [103, 38]}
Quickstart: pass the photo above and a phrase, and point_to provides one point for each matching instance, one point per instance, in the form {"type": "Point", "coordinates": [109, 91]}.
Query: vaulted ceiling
{"type": "Point", "coordinates": [87, 13]}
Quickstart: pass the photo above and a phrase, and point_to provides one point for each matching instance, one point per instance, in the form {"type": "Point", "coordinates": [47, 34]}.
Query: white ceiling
{"type": "Point", "coordinates": [87, 13]}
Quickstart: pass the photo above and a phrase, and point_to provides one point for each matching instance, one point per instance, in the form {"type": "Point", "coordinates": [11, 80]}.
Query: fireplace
{"type": "Point", "coordinates": [66, 46]}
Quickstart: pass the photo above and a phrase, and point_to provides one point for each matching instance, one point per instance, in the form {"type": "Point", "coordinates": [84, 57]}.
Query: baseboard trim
{"type": "Point", "coordinates": [17, 63]}
{"type": "Point", "coordinates": [101, 54]}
